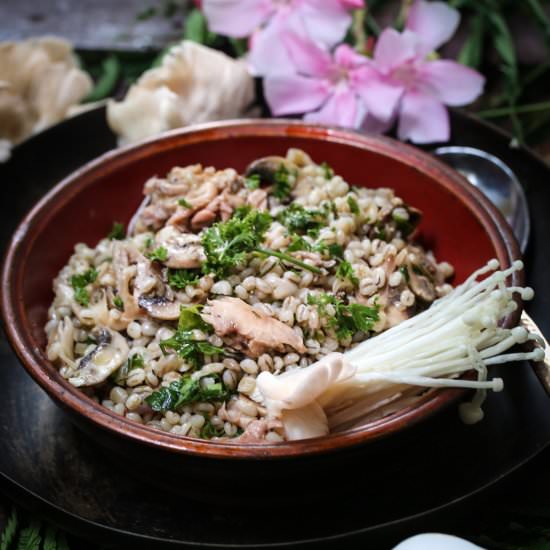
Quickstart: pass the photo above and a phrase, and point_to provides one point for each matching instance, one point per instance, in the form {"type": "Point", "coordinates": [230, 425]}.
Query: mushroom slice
{"type": "Point", "coordinates": [109, 354]}
{"type": "Point", "coordinates": [160, 307]}
{"type": "Point", "coordinates": [267, 167]}
{"type": "Point", "coordinates": [184, 250]}
{"type": "Point", "coordinates": [249, 329]}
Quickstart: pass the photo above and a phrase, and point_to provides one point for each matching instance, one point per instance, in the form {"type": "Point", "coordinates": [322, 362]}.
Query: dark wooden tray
{"type": "Point", "coordinates": [417, 480]}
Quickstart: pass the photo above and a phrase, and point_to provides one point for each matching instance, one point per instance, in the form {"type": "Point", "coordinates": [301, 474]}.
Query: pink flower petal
{"type": "Point", "coordinates": [341, 109]}
{"type": "Point", "coordinates": [453, 83]}
{"type": "Point", "coordinates": [423, 119]}
{"type": "Point", "coordinates": [433, 22]}
{"type": "Point", "coordinates": [236, 18]}
{"type": "Point", "coordinates": [307, 58]}
{"type": "Point", "coordinates": [263, 58]}
{"type": "Point", "coordinates": [394, 48]}
{"type": "Point", "coordinates": [345, 56]}
{"type": "Point", "coordinates": [352, 4]}
{"type": "Point", "coordinates": [325, 21]}
{"type": "Point", "coordinates": [290, 94]}
{"type": "Point", "coordinates": [373, 125]}
{"type": "Point", "coordinates": [380, 94]}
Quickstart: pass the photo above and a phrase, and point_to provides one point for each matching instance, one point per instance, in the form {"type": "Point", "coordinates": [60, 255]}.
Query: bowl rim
{"type": "Point", "coordinates": [73, 399]}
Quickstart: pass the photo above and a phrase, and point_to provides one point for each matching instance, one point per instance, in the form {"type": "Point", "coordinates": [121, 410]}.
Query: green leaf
{"type": "Point", "coordinates": [472, 50]}
{"type": "Point", "coordinates": [299, 220]}
{"type": "Point", "coordinates": [30, 538]}
{"type": "Point", "coordinates": [196, 29]}
{"type": "Point", "coordinates": [327, 170]}
{"type": "Point", "coordinates": [158, 255]}
{"type": "Point", "coordinates": [253, 181]}
{"type": "Point", "coordinates": [240, 45]}
{"type": "Point", "coordinates": [191, 319]}
{"type": "Point", "coordinates": [117, 232]}
{"type": "Point", "coordinates": [118, 303]}
{"type": "Point", "coordinates": [106, 83]}
{"type": "Point", "coordinates": [184, 203]}
{"type": "Point", "coordinates": [50, 538]}
{"type": "Point", "coordinates": [345, 272]}
{"type": "Point", "coordinates": [79, 283]}
{"type": "Point", "coordinates": [282, 186]}
{"type": "Point", "coordinates": [353, 206]}
{"type": "Point", "coordinates": [10, 530]}
{"type": "Point", "coordinates": [208, 431]}
{"type": "Point", "coordinates": [185, 391]}
{"type": "Point", "coordinates": [178, 279]}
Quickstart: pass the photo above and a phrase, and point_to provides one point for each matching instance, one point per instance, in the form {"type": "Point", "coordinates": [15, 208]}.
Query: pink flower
{"type": "Point", "coordinates": [268, 21]}
{"type": "Point", "coordinates": [326, 87]}
{"type": "Point", "coordinates": [415, 87]}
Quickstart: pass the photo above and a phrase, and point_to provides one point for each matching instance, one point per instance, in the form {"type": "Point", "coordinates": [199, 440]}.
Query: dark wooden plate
{"type": "Point", "coordinates": [47, 465]}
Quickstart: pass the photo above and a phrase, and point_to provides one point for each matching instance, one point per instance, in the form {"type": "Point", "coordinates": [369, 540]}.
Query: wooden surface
{"type": "Point", "coordinates": [95, 24]}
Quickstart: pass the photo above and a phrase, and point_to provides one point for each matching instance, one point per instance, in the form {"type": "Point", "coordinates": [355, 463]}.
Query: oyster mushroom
{"type": "Point", "coordinates": [184, 250]}
{"type": "Point", "coordinates": [160, 307]}
{"type": "Point", "coordinates": [109, 354]}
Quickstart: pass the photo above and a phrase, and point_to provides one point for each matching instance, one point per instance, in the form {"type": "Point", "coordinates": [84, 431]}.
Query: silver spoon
{"type": "Point", "coordinates": [500, 185]}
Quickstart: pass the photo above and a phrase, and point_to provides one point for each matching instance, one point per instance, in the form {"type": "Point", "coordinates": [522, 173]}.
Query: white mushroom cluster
{"type": "Point", "coordinates": [193, 84]}
{"type": "Point", "coordinates": [39, 82]}
{"type": "Point", "coordinates": [460, 332]}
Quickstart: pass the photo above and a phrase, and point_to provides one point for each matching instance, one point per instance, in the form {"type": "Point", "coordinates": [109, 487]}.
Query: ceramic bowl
{"type": "Point", "coordinates": [459, 224]}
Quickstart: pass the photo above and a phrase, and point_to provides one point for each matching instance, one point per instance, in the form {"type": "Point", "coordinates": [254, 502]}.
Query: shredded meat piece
{"type": "Point", "coordinates": [250, 330]}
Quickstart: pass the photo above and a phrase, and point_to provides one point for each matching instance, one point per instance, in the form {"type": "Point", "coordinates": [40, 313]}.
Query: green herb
{"type": "Point", "coordinates": [345, 271]}
{"type": "Point", "coordinates": [208, 431]}
{"type": "Point", "coordinates": [79, 283]}
{"type": "Point", "coordinates": [229, 244]}
{"type": "Point", "coordinates": [298, 243]}
{"type": "Point", "coordinates": [185, 391]}
{"type": "Point", "coordinates": [118, 303]}
{"type": "Point", "coordinates": [353, 206]}
{"type": "Point", "coordinates": [30, 538]}
{"type": "Point", "coordinates": [196, 29]}
{"type": "Point", "coordinates": [329, 208]}
{"type": "Point", "coordinates": [282, 185]}
{"type": "Point", "coordinates": [50, 542]}
{"type": "Point", "coordinates": [148, 242]}
{"type": "Point", "coordinates": [405, 272]}
{"type": "Point", "coordinates": [105, 84]}
{"type": "Point", "coordinates": [252, 182]}
{"type": "Point", "coordinates": [134, 362]}
{"type": "Point", "coordinates": [178, 279]}
{"type": "Point", "coordinates": [10, 530]}
{"type": "Point", "coordinates": [183, 342]}
{"type": "Point", "coordinates": [299, 220]}
{"type": "Point", "coordinates": [347, 319]}
{"type": "Point", "coordinates": [184, 203]}
{"type": "Point", "coordinates": [406, 224]}
{"type": "Point", "coordinates": [380, 232]}
{"type": "Point", "coordinates": [328, 171]}
{"type": "Point", "coordinates": [159, 255]}
{"type": "Point", "coordinates": [90, 340]}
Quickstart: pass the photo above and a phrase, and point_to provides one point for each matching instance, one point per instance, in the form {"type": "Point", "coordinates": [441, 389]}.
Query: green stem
{"type": "Point", "coordinates": [507, 111]}
{"type": "Point", "coordinates": [358, 30]}
{"type": "Point", "coordinates": [288, 258]}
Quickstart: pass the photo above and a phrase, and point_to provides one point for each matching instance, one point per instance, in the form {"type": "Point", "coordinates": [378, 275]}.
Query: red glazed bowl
{"type": "Point", "coordinates": [460, 225]}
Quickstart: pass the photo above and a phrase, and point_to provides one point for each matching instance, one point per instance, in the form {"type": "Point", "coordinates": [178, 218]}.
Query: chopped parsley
{"type": "Point", "coordinates": [353, 206]}
{"type": "Point", "coordinates": [252, 181]}
{"type": "Point", "coordinates": [406, 225]}
{"type": "Point", "coordinates": [405, 272]}
{"type": "Point", "coordinates": [347, 319]}
{"type": "Point", "coordinates": [118, 303]}
{"type": "Point", "coordinates": [178, 279]}
{"type": "Point", "coordinates": [228, 244]}
{"type": "Point", "coordinates": [282, 186]}
{"type": "Point", "coordinates": [183, 342]}
{"type": "Point", "coordinates": [160, 254]}
{"type": "Point", "coordinates": [299, 243]}
{"type": "Point", "coordinates": [328, 171]}
{"type": "Point", "coordinates": [346, 271]}
{"type": "Point", "coordinates": [299, 220]}
{"type": "Point", "coordinates": [117, 232]}
{"type": "Point", "coordinates": [148, 242]}
{"type": "Point", "coordinates": [208, 430]}
{"type": "Point", "coordinates": [184, 203]}
{"type": "Point", "coordinates": [79, 283]}
{"type": "Point", "coordinates": [186, 390]}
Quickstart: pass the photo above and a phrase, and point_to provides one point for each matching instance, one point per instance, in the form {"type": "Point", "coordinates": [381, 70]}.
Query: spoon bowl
{"type": "Point", "coordinates": [496, 181]}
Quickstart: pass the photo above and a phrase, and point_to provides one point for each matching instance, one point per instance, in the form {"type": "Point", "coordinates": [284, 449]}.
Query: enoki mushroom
{"type": "Point", "coordinates": [460, 332]}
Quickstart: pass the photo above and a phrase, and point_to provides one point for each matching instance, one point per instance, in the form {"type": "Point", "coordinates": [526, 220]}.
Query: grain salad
{"type": "Point", "coordinates": [221, 276]}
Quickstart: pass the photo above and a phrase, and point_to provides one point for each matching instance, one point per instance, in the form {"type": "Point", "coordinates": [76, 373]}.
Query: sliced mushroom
{"type": "Point", "coordinates": [184, 250]}
{"type": "Point", "coordinates": [160, 307]}
{"type": "Point", "coordinates": [422, 286]}
{"type": "Point", "coordinates": [109, 354]}
{"type": "Point", "coordinates": [267, 167]}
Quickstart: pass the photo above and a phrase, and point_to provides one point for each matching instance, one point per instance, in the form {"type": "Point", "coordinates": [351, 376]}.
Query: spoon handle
{"type": "Point", "coordinates": [541, 368]}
